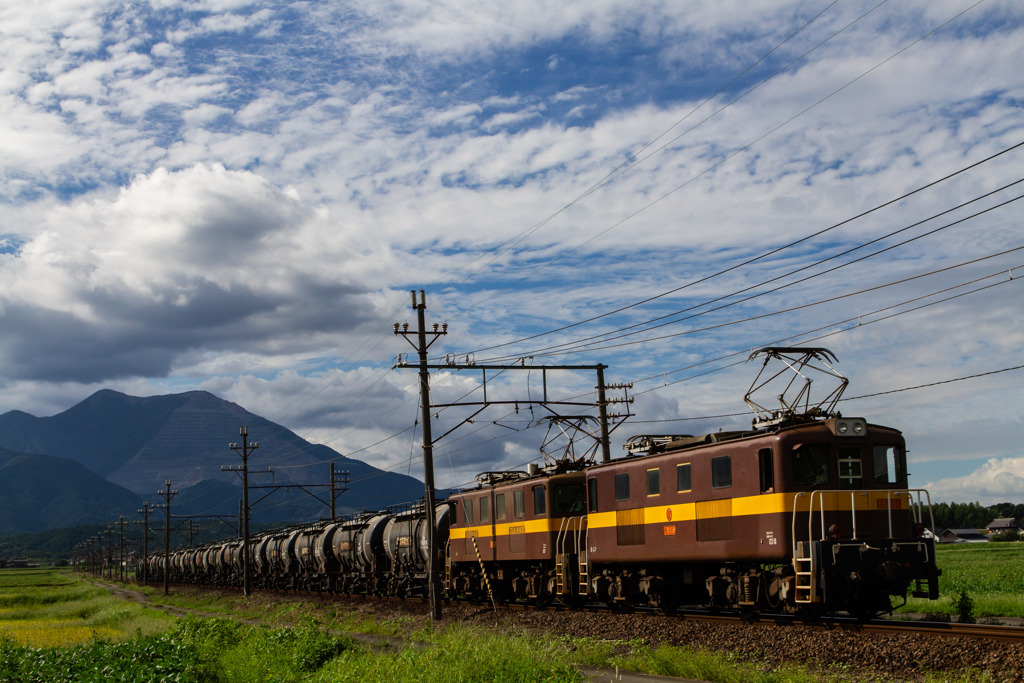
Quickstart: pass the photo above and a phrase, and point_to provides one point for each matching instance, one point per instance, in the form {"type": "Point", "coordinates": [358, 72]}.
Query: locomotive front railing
{"type": "Point", "coordinates": [805, 558]}
{"type": "Point", "coordinates": [887, 499]}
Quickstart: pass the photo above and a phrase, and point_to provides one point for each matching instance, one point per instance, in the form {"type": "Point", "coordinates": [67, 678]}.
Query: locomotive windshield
{"type": "Point", "coordinates": [887, 464]}
{"type": "Point", "coordinates": [810, 464]}
{"type": "Point", "coordinates": [568, 499]}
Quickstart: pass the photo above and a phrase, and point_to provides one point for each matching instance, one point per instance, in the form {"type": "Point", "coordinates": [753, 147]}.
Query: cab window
{"type": "Point", "coordinates": [622, 486]}
{"type": "Point", "coordinates": [569, 499]}
{"type": "Point", "coordinates": [539, 501]}
{"type": "Point", "coordinates": [653, 482]}
{"type": "Point", "coordinates": [887, 464]}
{"type": "Point", "coordinates": [683, 477]}
{"type": "Point", "coordinates": [467, 510]}
{"type": "Point", "coordinates": [721, 472]}
{"type": "Point", "coordinates": [850, 474]}
{"type": "Point", "coordinates": [810, 465]}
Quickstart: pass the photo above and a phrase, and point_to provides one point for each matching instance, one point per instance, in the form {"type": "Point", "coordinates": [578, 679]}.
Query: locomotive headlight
{"type": "Point", "coordinates": [850, 426]}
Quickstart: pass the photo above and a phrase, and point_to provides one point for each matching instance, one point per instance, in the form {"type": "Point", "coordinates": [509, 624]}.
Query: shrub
{"type": "Point", "coordinates": [965, 608]}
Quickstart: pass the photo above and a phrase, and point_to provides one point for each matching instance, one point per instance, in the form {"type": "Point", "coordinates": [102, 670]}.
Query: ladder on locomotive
{"type": "Point", "coordinates": [448, 566]}
{"type": "Point", "coordinates": [572, 534]}
{"type": "Point", "coordinates": [804, 564]}
{"type": "Point", "coordinates": [806, 574]}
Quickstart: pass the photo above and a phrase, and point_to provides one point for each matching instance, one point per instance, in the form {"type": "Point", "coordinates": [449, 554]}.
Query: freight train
{"type": "Point", "coordinates": [807, 511]}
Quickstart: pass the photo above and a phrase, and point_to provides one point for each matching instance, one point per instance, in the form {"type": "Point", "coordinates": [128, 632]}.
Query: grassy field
{"type": "Point", "coordinates": [43, 607]}
{"type": "Point", "coordinates": [989, 573]}
{"type": "Point", "coordinates": [55, 626]}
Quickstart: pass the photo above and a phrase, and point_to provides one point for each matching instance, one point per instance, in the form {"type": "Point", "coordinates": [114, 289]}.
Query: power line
{"type": "Point", "coordinates": [845, 399]}
{"type": "Point", "coordinates": [582, 345]}
{"type": "Point", "coordinates": [616, 173]}
{"type": "Point", "coordinates": [532, 273]}
{"type": "Point", "coordinates": [628, 165]}
{"type": "Point", "coordinates": [757, 258]}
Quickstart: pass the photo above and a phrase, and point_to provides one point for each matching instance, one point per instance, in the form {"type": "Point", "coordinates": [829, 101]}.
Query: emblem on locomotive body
{"type": "Point", "coordinates": [668, 514]}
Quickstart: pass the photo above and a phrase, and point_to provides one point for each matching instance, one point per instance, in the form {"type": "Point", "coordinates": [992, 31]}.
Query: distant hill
{"type": "Point", "coordinates": [40, 492]}
{"type": "Point", "coordinates": [138, 443]}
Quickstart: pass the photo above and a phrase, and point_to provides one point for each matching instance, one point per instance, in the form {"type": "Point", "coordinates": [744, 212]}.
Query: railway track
{"type": "Point", "coordinates": [993, 632]}
{"type": "Point", "coordinates": [900, 650]}
{"type": "Point", "coordinates": [996, 632]}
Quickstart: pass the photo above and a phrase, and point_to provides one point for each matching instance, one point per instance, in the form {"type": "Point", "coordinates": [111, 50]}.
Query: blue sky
{"type": "Point", "coordinates": [238, 196]}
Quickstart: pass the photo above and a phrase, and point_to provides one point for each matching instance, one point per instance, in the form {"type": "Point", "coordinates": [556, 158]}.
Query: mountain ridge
{"type": "Point", "coordinates": [137, 443]}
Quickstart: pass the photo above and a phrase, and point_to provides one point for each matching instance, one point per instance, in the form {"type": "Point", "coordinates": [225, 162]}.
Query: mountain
{"type": "Point", "coordinates": [40, 492]}
{"type": "Point", "coordinates": [138, 443]}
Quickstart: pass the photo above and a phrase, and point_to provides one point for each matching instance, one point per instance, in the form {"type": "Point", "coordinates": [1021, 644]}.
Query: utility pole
{"type": "Point", "coordinates": [244, 451]}
{"type": "Point", "coordinates": [145, 541]}
{"type": "Point", "coordinates": [120, 550]}
{"type": "Point", "coordinates": [421, 346]}
{"type": "Point", "coordinates": [110, 552]}
{"type": "Point", "coordinates": [339, 484]}
{"type": "Point", "coordinates": [167, 494]}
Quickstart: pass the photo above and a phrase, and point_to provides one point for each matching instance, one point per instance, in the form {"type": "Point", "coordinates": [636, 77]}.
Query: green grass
{"type": "Point", "coordinates": [988, 572]}
{"type": "Point", "coordinates": [103, 638]}
{"type": "Point", "coordinates": [682, 662]}
{"type": "Point", "coordinates": [458, 653]}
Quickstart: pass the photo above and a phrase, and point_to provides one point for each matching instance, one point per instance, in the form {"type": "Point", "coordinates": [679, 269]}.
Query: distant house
{"type": "Point", "coordinates": [1003, 524]}
{"type": "Point", "coordinates": [963, 536]}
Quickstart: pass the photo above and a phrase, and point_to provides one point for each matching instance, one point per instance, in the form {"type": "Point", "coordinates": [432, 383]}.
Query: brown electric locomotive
{"type": "Point", "coordinates": [808, 511]}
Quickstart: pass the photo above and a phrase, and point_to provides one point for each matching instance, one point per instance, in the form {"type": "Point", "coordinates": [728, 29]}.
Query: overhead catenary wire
{"type": "Point", "coordinates": [708, 169]}
{"type": "Point", "coordinates": [760, 257]}
{"type": "Point", "coordinates": [621, 332]}
{"type": "Point", "coordinates": [860, 323]}
{"type": "Point", "coordinates": [584, 347]}
{"type": "Point", "coordinates": [371, 387]}
{"type": "Point", "coordinates": [846, 399]}
{"type": "Point", "coordinates": [727, 85]}
{"type": "Point", "coordinates": [631, 161]}
{"type": "Point", "coordinates": [742, 353]}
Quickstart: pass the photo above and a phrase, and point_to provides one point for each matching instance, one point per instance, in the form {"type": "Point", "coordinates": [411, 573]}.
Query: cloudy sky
{"type": "Point", "coordinates": [237, 197]}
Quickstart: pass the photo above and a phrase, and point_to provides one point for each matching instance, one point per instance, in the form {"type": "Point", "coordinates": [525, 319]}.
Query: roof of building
{"type": "Point", "coordinates": [1003, 523]}
{"type": "Point", "coordinates": [963, 535]}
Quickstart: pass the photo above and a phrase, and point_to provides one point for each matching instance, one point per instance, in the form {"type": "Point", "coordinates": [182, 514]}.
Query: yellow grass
{"type": "Point", "coordinates": [47, 608]}
{"type": "Point", "coordinates": [50, 633]}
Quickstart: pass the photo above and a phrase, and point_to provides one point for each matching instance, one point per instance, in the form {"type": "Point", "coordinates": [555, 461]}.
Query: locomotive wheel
{"type": "Point", "coordinates": [668, 601]}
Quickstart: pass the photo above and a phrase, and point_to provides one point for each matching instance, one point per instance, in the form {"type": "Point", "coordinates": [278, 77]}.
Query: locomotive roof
{"type": "Point", "coordinates": [646, 445]}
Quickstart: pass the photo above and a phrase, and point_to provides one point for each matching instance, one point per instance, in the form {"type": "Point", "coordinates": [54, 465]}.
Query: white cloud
{"type": "Point", "coordinates": [147, 156]}
{"type": "Point", "coordinates": [998, 480]}
{"type": "Point", "coordinates": [182, 261]}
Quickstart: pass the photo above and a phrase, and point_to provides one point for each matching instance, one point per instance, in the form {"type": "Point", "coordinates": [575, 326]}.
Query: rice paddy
{"type": "Point", "coordinates": [49, 608]}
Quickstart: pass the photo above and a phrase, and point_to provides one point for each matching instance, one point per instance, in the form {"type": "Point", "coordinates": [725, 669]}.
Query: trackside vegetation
{"type": "Point", "coordinates": [988, 574]}
{"type": "Point", "coordinates": [57, 626]}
